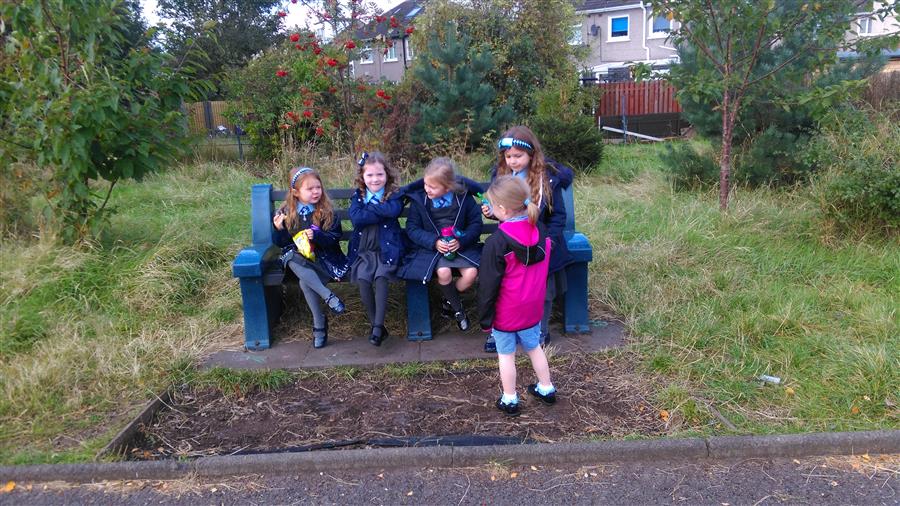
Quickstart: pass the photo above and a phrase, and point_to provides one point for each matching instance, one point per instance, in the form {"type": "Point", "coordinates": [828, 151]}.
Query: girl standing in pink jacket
{"type": "Point", "coordinates": [511, 288]}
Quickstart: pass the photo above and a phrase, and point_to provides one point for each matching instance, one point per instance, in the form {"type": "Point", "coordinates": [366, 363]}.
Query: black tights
{"type": "Point", "coordinates": [374, 300]}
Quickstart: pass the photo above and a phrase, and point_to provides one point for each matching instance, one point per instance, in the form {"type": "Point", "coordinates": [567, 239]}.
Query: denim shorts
{"type": "Point", "coordinates": [529, 338]}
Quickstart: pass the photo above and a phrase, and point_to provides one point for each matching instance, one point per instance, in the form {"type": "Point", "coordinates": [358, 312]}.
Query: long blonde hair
{"type": "Point", "coordinates": [512, 193]}
{"type": "Point", "coordinates": [538, 179]}
{"type": "Point", "coordinates": [443, 170]}
{"type": "Point", "coordinates": [322, 217]}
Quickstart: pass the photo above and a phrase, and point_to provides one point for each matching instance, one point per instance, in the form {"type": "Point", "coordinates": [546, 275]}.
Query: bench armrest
{"type": "Point", "coordinates": [250, 262]}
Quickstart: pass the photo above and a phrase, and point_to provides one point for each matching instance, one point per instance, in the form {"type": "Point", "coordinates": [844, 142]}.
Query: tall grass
{"type": "Point", "coordinates": [713, 300]}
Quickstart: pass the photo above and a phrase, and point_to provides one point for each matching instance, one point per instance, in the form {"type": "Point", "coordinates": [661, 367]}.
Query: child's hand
{"type": "Point", "coordinates": [486, 211]}
{"type": "Point", "coordinates": [309, 233]}
{"type": "Point", "coordinates": [278, 221]}
{"type": "Point", "coordinates": [452, 245]}
{"type": "Point", "coordinates": [441, 246]}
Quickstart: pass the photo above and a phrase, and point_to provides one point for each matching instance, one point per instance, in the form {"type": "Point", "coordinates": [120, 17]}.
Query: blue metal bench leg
{"type": "Point", "coordinates": [418, 315]}
{"type": "Point", "coordinates": [261, 309]}
{"type": "Point", "coordinates": [576, 312]}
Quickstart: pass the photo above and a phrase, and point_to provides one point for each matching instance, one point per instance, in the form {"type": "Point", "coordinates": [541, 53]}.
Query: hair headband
{"type": "Point", "coordinates": [509, 142]}
{"type": "Point", "coordinates": [363, 158]}
{"type": "Point", "coordinates": [302, 170]}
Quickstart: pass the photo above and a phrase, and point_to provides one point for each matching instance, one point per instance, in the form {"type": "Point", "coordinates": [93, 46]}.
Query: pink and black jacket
{"type": "Point", "coordinates": [512, 279]}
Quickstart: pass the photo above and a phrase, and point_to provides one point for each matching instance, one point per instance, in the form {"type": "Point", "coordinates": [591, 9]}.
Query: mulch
{"type": "Point", "coordinates": [599, 397]}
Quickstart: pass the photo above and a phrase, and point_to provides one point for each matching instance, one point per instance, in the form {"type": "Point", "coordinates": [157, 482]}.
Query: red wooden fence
{"type": "Point", "coordinates": [648, 97]}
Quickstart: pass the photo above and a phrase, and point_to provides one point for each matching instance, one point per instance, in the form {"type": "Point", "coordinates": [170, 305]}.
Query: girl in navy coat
{"type": "Point", "coordinates": [376, 244]}
{"type": "Point", "coordinates": [444, 227]}
{"type": "Point", "coordinates": [521, 156]}
{"type": "Point", "coordinates": [513, 282]}
{"type": "Point", "coordinates": [307, 216]}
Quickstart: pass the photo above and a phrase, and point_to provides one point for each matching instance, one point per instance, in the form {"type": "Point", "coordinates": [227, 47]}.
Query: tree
{"type": "Point", "coordinates": [76, 106]}
{"type": "Point", "coordinates": [529, 40]}
{"type": "Point", "coordinates": [458, 108]}
{"type": "Point", "coordinates": [733, 39]}
{"type": "Point", "coordinates": [234, 31]}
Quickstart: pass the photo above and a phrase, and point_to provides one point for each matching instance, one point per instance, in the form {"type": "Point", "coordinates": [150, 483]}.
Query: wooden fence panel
{"type": "Point", "coordinates": [637, 99]}
{"type": "Point", "coordinates": [206, 116]}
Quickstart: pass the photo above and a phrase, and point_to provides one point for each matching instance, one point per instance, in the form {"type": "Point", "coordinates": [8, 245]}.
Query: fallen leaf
{"type": "Point", "coordinates": [409, 493]}
{"type": "Point", "coordinates": [381, 476]}
{"type": "Point", "coordinates": [664, 415]}
{"type": "Point", "coordinates": [866, 457]}
{"type": "Point", "coordinates": [854, 410]}
{"type": "Point", "coordinates": [533, 468]}
{"type": "Point", "coordinates": [789, 391]}
{"type": "Point", "coordinates": [493, 478]}
{"type": "Point", "coordinates": [513, 475]}
{"type": "Point", "coordinates": [866, 397]}
{"type": "Point", "coordinates": [10, 485]}
{"type": "Point", "coordinates": [214, 489]}
{"type": "Point", "coordinates": [834, 483]}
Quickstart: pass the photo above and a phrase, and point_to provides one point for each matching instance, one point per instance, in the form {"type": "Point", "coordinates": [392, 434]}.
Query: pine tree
{"type": "Point", "coordinates": [459, 108]}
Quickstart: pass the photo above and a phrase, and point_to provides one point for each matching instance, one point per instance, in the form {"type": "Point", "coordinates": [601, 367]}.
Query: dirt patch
{"type": "Point", "coordinates": [598, 397]}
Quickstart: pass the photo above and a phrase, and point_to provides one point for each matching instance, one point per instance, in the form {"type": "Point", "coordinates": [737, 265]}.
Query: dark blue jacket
{"type": "Point", "coordinates": [384, 214]}
{"type": "Point", "coordinates": [326, 243]}
{"type": "Point", "coordinates": [554, 219]}
{"type": "Point", "coordinates": [421, 232]}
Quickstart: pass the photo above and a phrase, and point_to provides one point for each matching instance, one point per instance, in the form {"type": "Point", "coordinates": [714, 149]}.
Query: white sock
{"type": "Point", "coordinates": [509, 399]}
{"type": "Point", "coordinates": [545, 390]}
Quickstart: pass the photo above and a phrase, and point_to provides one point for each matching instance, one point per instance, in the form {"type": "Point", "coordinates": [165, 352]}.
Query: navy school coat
{"type": "Point", "coordinates": [421, 233]}
{"type": "Point", "coordinates": [384, 214]}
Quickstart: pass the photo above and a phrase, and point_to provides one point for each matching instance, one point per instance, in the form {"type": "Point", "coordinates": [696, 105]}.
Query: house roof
{"type": "Point", "coordinates": [405, 12]}
{"type": "Point", "coordinates": [596, 5]}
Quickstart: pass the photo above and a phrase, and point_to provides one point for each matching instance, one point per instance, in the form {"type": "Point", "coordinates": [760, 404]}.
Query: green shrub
{"type": "Point", "coordinates": [771, 157]}
{"type": "Point", "coordinates": [690, 166]}
{"type": "Point", "coordinates": [564, 125]}
{"type": "Point", "coordinates": [858, 154]}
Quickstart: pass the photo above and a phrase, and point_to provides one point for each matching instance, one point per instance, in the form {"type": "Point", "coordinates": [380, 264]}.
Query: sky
{"type": "Point", "coordinates": [296, 14]}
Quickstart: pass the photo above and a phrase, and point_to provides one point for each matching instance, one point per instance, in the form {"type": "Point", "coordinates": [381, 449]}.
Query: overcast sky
{"type": "Point", "coordinates": [296, 14]}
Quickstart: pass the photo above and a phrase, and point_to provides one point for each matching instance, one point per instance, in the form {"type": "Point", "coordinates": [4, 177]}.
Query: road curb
{"type": "Point", "coordinates": [602, 452]}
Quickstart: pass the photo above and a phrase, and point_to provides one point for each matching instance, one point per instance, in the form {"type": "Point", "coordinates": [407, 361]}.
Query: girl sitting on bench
{"type": "Point", "coordinates": [309, 235]}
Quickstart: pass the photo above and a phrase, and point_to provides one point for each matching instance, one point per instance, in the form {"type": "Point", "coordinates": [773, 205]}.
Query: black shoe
{"type": "Point", "coordinates": [508, 409]}
{"type": "Point", "coordinates": [446, 309]}
{"type": "Point", "coordinates": [379, 334]}
{"type": "Point", "coordinates": [490, 346]}
{"type": "Point", "coordinates": [461, 321]}
{"type": "Point", "coordinates": [335, 304]}
{"type": "Point", "coordinates": [546, 399]}
{"type": "Point", "coordinates": [320, 337]}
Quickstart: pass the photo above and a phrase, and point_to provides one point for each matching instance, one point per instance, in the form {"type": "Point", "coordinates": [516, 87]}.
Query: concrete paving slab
{"type": "Point", "coordinates": [445, 346]}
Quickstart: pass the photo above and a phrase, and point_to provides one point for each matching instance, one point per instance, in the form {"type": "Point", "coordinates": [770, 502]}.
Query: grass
{"type": "Point", "coordinates": [712, 300]}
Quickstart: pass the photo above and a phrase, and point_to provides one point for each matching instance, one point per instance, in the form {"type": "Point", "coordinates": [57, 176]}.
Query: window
{"type": "Point", "coordinates": [391, 54]}
{"type": "Point", "coordinates": [618, 28]}
{"type": "Point", "coordinates": [576, 38]}
{"type": "Point", "coordinates": [864, 26]}
{"type": "Point", "coordinates": [660, 26]}
{"type": "Point", "coordinates": [409, 48]}
{"type": "Point", "coordinates": [366, 56]}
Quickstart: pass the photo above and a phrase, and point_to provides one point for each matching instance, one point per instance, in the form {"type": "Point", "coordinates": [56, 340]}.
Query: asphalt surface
{"type": "Point", "coordinates": [818, 480]}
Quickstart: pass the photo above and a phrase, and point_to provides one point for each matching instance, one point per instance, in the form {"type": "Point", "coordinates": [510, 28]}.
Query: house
{"type": "Point", "coordinates": [621, 32]}
{"type": "Point", "coordinates": [376, 64]}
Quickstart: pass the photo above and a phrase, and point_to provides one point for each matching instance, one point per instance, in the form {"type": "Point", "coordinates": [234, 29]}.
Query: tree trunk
{"type": "Point", "coordinates": [725, 162]}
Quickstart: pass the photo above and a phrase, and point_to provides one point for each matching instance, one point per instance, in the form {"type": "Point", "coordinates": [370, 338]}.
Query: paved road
{"type": "Point", "coordinates": [843, 480]}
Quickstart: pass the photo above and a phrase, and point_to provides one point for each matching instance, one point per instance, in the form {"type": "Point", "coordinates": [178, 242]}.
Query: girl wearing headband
{"type": "Point", "coordinates": [307, 217]}
{"type": "Point", "coordinates": [512, 283]}
{"type": "Point", "coordinates": [520, 155]}
{"type": "Point", "coordinates": [376, 245]}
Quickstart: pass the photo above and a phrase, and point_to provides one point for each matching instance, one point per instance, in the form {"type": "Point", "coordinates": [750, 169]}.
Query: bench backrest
{"type": "Point", "coordinates": [263, 201]}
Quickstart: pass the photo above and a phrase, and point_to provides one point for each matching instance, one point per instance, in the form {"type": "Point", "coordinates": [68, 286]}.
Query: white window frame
{"type": "Point", "coordinates": [366, 57]}
{"type": "Point", "coordinates": [388, 59]}
{"type": "Point", "coordinates": [864, 26]}
{"type": "Point", "coordinates": [409, 49]}
{"type": "Point", "coordinates": [659, 35]}
{"type": "Point", "coordinates": [577, 37]}
{"type": "Point", "coordinates": [622, 38]}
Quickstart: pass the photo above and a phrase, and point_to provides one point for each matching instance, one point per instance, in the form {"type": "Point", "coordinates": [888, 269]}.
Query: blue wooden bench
{"type": "Point", "coordinates": [261, 275]}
